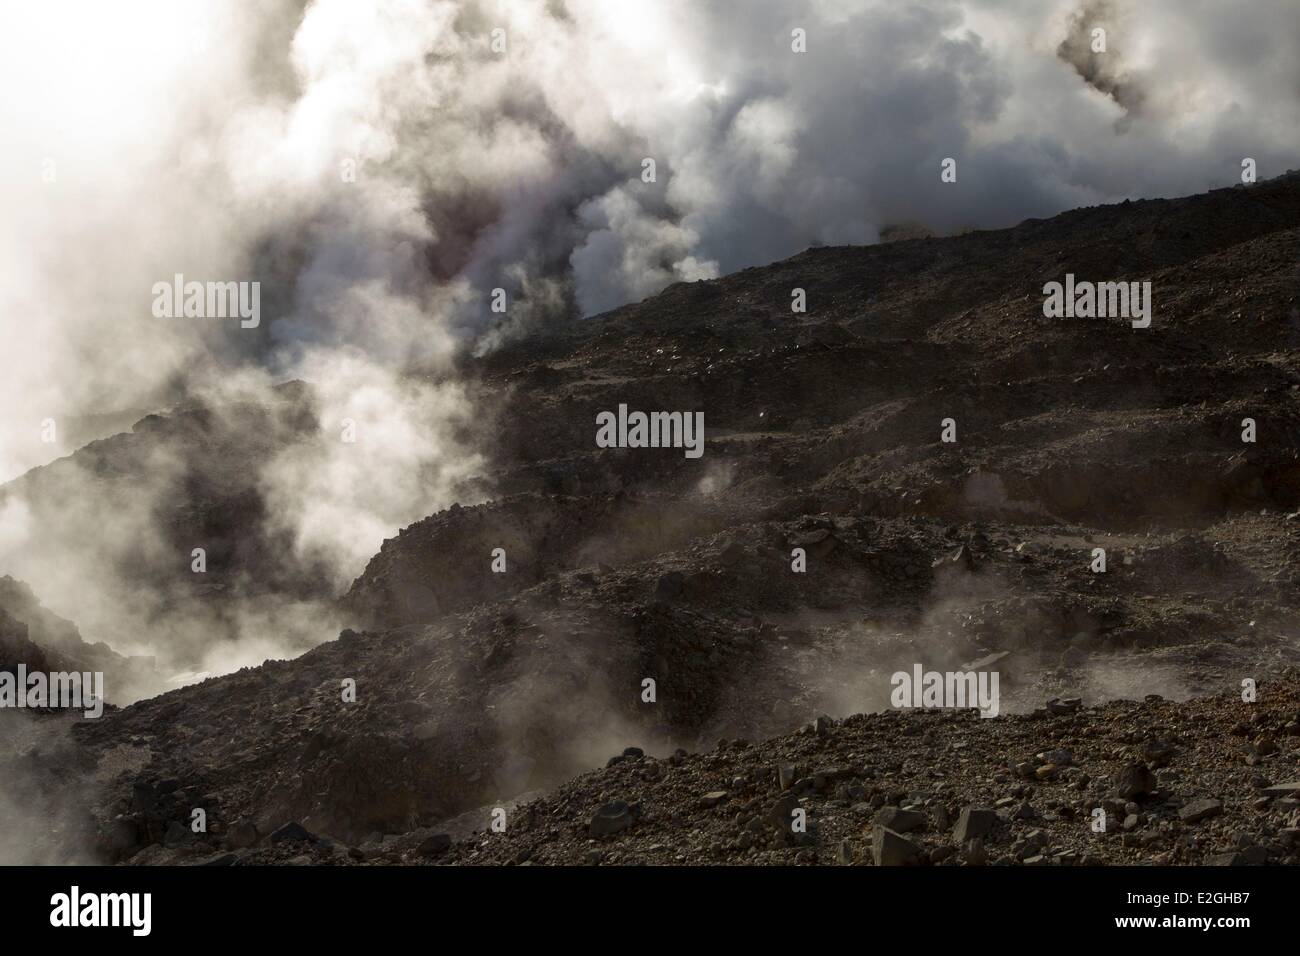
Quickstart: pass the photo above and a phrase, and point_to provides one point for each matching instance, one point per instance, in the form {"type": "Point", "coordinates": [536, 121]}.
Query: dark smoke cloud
{"type": "Point", "coordinates": [1102, 69]}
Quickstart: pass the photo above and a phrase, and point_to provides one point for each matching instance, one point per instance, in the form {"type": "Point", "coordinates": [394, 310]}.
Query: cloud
{"type": "Point", "coordinates": [214, 143]}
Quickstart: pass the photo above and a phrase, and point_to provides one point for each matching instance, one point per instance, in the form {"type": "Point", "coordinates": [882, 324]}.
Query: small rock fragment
{"type": "Point", "coordinates": [974, 822]}
{"type": "Point", "coordinates": [611, 818]}
{"type": "Point", "coordinates": [1199, 810]}
{"type": "Point", "coordinates": [893, 849]}
{"type": "Point", "coordinates": [1135, 781]}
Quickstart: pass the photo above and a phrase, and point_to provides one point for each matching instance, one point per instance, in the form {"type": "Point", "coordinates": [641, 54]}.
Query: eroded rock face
{"type": "Point", "coordinates": [54, 633]}
{"type": "Point", "coordinates": [827, 538]}
{"type": "Point", "coordinates": [441, 565]}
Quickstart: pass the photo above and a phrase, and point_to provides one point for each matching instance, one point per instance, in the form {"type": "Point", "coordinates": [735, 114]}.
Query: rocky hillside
{"type": "Point", "coordinates": [824, 436]}
{"type": "Point", "coordinates": [1211, 781]}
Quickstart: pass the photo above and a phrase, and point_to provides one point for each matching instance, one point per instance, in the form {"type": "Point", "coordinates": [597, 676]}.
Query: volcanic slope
{"type": "Point", "coordinates": [824, 429]}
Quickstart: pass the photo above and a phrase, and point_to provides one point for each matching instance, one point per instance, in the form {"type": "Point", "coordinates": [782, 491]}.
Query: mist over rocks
{"type": "Point", "coordinates": [31, 634]}
{"type": "Point", "coordinates": [925, 788]}
{"type": "Point", "coordinates": [442, 563]}
{"type": "Point", "coordinates": [829, 539]}
{"type": "Point", "coordinates": [109, 531]}
{"type": "Point", "coordinates": [310, 306]}
{"type": "Point", "coordinates": [219, 531]}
